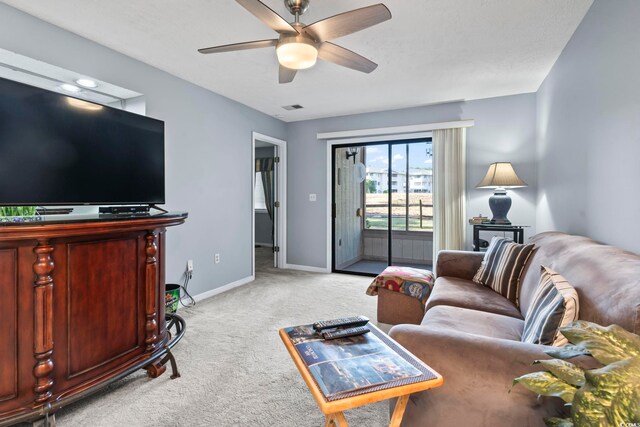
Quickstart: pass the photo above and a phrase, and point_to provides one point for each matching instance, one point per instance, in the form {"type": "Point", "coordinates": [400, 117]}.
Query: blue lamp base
{"type": "Point", "coordinates": [500, 203]}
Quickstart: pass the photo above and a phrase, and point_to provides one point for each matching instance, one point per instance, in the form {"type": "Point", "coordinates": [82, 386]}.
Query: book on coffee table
{"type": "Point", "coordinates": [347, 364]}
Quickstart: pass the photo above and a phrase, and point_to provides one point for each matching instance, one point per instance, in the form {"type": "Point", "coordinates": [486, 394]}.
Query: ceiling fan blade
{"type": "Point", "coordinates": [267, 15]}
{"type": "Point", "coordinates": [348, 22]}
{"type": "Point", "coordinates": [345, 57]}
{"type": "Point", "coordinates": [239, 46]}
{"type": "Point", "coordinates": [286, 75]}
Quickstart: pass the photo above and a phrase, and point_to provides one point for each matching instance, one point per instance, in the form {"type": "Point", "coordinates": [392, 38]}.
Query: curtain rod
{"type": "Point", "coordinates": [395, 130]}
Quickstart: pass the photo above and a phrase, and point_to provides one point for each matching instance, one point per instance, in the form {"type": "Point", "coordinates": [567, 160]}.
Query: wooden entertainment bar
{"type": "Point", "coordinates": [81, 305]}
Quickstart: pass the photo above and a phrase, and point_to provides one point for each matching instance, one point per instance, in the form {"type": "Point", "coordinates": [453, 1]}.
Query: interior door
{"type": "Point", "coordinates": [276, 205]}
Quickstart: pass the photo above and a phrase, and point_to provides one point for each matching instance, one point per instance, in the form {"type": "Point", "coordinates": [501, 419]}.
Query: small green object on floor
{"type": "Point", "coordinates": [172, 297]}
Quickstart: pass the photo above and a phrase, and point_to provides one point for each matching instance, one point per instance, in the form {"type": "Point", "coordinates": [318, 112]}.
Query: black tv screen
{"type": "Point", "coordinates": [60, 150]}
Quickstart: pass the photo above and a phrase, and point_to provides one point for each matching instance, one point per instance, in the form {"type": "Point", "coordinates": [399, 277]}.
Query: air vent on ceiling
{"type": "Point", "coordinates": [293, 107]}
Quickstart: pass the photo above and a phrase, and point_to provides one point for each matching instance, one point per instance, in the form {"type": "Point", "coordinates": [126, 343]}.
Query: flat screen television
{"type": "Point", "coordinates": [60, 150]}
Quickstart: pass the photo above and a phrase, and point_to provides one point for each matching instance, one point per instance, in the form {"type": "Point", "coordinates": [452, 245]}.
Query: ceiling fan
{"type": "Point", "coordinates": [299, 45]}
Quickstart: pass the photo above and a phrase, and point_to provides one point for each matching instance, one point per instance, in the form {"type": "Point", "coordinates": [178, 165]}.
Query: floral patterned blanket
{"type": "Point", "coordinates": [413, 282]}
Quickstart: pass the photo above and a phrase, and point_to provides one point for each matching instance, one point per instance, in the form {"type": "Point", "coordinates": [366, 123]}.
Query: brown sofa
{"type": "Point", "coordinates": [471, 335]}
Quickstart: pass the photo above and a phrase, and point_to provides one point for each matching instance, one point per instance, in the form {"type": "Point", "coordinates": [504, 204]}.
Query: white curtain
{"type": "Point", "coordinates": [449, 189]}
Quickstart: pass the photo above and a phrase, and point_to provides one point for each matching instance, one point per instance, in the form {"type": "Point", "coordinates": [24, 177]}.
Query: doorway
{"type": "Point", "coordinates": [382, 206]}
{"type": "Point", "coordinates": [268, 178]}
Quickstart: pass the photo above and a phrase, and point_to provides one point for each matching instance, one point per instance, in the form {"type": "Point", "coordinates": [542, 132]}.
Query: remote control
{"type": "Point", "coordinates": [350, 322]}
{"type": "Point", "coordinates": [344, 333]}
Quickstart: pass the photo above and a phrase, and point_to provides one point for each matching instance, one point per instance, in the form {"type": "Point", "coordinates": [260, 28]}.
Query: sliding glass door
{"type": "Point", "coordinates": [382, 206]}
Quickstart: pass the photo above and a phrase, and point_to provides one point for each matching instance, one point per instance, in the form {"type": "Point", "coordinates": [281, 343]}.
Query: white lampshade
{"type": "Point", "coordinates": [297, 54]}
{"type": "Point", "coordinates": [503, 175]}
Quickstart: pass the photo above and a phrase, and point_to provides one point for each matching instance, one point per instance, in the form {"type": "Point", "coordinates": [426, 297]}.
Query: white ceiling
{"type": "Point", "coordinates": [431, 51]}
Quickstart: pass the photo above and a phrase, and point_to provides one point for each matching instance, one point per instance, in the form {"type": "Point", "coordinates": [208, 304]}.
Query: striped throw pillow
{"type": "Point", "coordinates": [555, 304]}
{"type": "Point", "coordinates": [502, 266]}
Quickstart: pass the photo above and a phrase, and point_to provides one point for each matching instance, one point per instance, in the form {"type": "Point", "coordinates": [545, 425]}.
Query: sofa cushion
{"type": "Point", "coordinates": [455, 292]}
{"type": "Point", "coordinates": [502, 266]}
{"type": "Point", "coordinates": [445, 318]}
{"type": "Point", "coordinates": [555, 304]}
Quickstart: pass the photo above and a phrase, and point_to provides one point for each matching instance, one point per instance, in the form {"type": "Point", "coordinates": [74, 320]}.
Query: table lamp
{"type": "Point", "coordinates": [500, 176]}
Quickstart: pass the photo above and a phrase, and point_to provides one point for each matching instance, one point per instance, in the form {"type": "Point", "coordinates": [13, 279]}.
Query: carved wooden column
{"type": "Point", "coordinates": [43, 320]}
{"type": "Point", "coordinates": [151, 277]}
{"type": "Point", "coordinates": [156, 368]}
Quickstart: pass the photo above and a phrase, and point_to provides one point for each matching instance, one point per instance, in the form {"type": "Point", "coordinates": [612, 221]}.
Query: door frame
{"type": "Point", "coordinates": [281, 178]}
{"type": "Point", "coordinates": [350, 141]}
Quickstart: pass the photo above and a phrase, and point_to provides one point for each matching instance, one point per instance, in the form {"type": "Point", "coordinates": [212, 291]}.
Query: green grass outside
{"type": "Point", "coordinates": [399, 224]}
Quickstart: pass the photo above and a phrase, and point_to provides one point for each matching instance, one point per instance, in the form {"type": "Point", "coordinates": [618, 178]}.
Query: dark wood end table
{"type": "Point", "coordinates": [517, 230]}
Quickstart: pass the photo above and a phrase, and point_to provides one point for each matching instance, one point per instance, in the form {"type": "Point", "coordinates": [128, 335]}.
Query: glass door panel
{"type": "Point", "coordinates": [412, 232]}
{"type": "Point", "coordinates": [398, 187]}
{"type": "Point", "coordinates": [375, 256]}
{"type": "Point", "coordinates": [398, 201]}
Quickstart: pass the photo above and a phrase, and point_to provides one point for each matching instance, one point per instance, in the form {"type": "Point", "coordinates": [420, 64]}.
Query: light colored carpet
{"type": "Point", "coordinates": [235, 369]}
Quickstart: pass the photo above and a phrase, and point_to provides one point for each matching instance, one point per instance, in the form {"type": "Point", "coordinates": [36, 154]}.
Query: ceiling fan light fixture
{"type": "Point", "coordinates": [299, 46]}
{"type": "Point", "coordinates": [297, 53]}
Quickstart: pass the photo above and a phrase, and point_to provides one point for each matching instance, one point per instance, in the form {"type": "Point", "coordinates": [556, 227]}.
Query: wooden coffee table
{"type": "Point", "coordinates": [333, 407]}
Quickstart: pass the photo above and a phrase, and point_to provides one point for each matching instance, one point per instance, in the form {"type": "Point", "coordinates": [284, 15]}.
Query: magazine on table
{"type": "Point", "coordinates": [347, 364]}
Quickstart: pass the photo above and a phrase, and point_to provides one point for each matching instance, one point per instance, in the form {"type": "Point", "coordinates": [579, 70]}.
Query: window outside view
{"type": "Point", "coordinates": [412, 203]}
{"type": "Point", "coordinates": [259, 203]}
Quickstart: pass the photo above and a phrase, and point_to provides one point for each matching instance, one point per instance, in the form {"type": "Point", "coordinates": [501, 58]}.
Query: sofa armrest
{"type": "Point", "coordinates": [461, 264]}
{"type": "Point", "coordinates": [478, 373]}
{"type": "Point", "coordinates": [395, 308]}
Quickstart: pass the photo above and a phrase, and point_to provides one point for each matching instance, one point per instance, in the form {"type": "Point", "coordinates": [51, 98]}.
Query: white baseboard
{"type": "Point", "coordinates": [307, 268]}
{"type": "Point", "coordinates": [225, 288]}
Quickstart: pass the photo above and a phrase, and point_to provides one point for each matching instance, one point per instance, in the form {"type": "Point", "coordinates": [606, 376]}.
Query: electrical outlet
{"type": "Point", "coordinates": [216, 258]}
{"type": "Point", "coordinates": [190, 265]}
{"type": "Point", "coordinates": [313, 197]}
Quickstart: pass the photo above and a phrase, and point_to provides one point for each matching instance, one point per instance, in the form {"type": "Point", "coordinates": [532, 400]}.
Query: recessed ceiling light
{"type": "Point", "coordinates": [70, 88]}
{"type": "Point", "coordinates": [87, 83]}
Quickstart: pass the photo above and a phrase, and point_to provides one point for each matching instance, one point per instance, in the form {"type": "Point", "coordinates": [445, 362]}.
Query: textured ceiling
{"type": "Point", "coordinates": [431, 51]}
